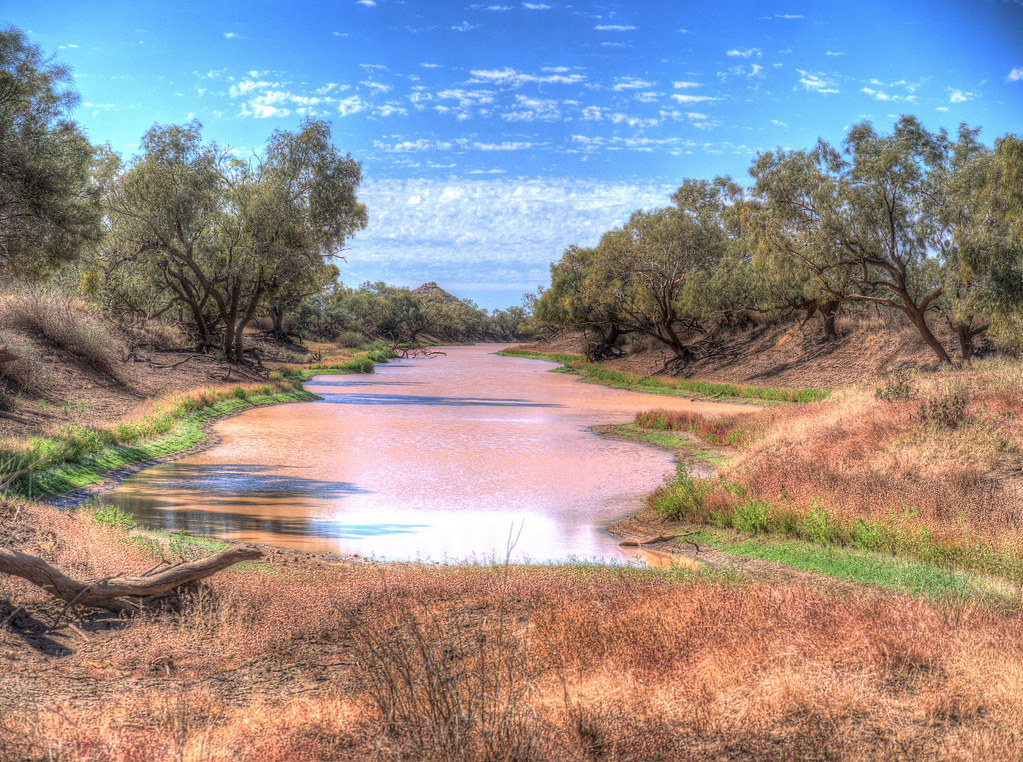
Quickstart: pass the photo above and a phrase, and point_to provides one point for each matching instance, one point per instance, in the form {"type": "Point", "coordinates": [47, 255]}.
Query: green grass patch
{"type": "Point", "coordinates": [899, 535]}
{"type": "Point", "coordinates": [363, 362]}
{"type": "Point", "coordinates": [77, 455]}
{"type": "Point", "coordinates": [686, 446]}
{"type": "Point", "coordinates": [661, 385]}
{"type": "Point", "coordinates": [941, 584]}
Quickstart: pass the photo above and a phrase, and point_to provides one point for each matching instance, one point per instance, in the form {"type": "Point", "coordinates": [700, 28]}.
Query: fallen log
{"type": "Point", "coordinates": [117, 593]}
{"type": "Point", "coordinates": [652, 540]}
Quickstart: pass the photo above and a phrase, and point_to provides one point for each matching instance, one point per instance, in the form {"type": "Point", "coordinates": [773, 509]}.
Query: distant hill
{"type": "Point", "coordinates": [431, 292]}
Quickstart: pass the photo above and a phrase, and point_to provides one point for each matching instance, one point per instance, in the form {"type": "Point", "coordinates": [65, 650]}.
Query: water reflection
{"type": "Point", "coordinates": [485, 443]}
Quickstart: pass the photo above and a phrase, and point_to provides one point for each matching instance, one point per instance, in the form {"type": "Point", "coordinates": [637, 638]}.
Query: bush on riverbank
{"type": "Point", "coordinates": [722, 431]}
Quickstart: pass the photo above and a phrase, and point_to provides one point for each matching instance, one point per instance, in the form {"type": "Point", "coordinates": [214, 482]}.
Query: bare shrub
{"type": "Point", "coordinates": [64, 322]}
{"type": "Point", "coordinates": [946, 408]}
{"type": "Point", "coordinates": [27, 373]}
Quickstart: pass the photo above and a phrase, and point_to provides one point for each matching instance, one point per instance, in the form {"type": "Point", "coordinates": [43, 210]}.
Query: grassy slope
{"type": "Point", "coordinates": [77, 455]}
{"type": "Point", "coordinates": [664, 385]}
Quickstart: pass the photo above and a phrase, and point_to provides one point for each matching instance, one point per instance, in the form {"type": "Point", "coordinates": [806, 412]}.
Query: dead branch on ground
{"type": "Point", "coordinates": [120, 594]}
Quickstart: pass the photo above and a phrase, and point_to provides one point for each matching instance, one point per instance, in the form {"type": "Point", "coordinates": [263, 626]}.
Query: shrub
{"type": "Point", "coordinates": [64, 322]}
{"type": "Point", "coordinates": [947, 408]}
{"type": "Point", "coordinates": [349, 339]}
{"type": "Point", "coordinates": [896, 388]}
{"type": "Point", "coordinates": [111, 515]}
{"type": "Point", "coordinates": [817, 526]}
{"type": "Point", "coordinates": [681, 496]}
{"type": "Point", "coordinates": [751, 516]}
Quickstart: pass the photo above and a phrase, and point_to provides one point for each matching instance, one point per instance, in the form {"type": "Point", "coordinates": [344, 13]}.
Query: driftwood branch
{"type": "Point", "coordinates": [116, 593]}
{"type": "Point", "coordinates": [652, 540]}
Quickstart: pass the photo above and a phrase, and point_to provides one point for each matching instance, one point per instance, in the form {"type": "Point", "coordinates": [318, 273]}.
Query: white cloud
{"type": "Point", "coordinates": [1016, 75]}
{"type": "Point", "coordinates": [647, 97]}
{"type": "Point", "coordinates": [367, 3]}
{"type": "Point", "coordinates": [692, 98]}
{"type": "Point", "coordinates": [960, 96]}
{"type": "Point", "coordinates": [351, 105]}
{"type": "Point", "coordinates": [630, 83]}
{"type": "Point", "coordinates": [378, 87]}
{"type": "Point", "coordinates": [421, 229]}
{"type": "Point", "coordinates": [407, 146]}
{"type": "Point", "coordinates": [685, 85]}
{"type": "Point", "coordinates": [536, 6]}
{"type": "Point", "coordinates": [533, 109]}
{"type": "Point", "coordinates": [430, 66]}
{"type": "Point", "coordinates": [833, 53]}
{"type": "Point", "coordinates": [513, 78]}
{"type": "Point", "coordinates": [229, 35]}
{"type": "Point", "coordinates": [390, 109]}
{"type": "Point", "coordinates": [788, 16]}
{"type": "Point", "coordinates": [881, 95]}
{"type": "Point", "coordinates": [777, 123]}
{"type": "Point", "coordinates": [614, 28]}
{"type": "Point", "coordinates": [465, 26]}
{"type": "Point", "coordinates": [507, 145]}
{"type": "Point", "coordinates": [497, 8]}
{"type": "Point", "coordinates": [744, 53]}
{"type": "Point", "coordinates": [941, 108]}
{"type": "Point", "coordinates": [816, 82]}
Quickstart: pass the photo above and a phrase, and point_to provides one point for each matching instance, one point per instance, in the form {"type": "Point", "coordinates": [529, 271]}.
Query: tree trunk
{"type": "Point", "coordinates": [830, 310]}
{"type": "Point", "coordinates": [919, 319]}
{"type": "Point", "coordinates": [114, 593]}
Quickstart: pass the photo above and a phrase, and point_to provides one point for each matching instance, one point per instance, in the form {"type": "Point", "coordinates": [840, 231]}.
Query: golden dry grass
{"type": "Point", "coordinates": [860, 456]}
{"type": "Point", "coordinates": [303, 659]}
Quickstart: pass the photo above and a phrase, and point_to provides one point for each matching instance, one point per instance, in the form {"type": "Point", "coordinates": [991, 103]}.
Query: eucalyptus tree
{"type": "Point", "coordinates": [222, 237]}
{"type": "Point", "coordinates": [645, 277]}
{"type": "Point", "coordinates": [49, 210]}
{"type": "Point", "coordinates": [988, 191]}
{"type": "Point", "coordinates": [862, 227]}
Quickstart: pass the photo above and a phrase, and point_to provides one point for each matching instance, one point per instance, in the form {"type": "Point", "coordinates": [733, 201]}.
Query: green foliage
{"type": "Point", "coordinates": [817, 526]}
{"type": "Point", "coordinates": [49, 212]}
{"type": "Point", "coordinates": [76, 454]}
{"type": "Point", "coordinates": [681, 496]}
{"type": "Point", "coordinates": [221, 238]}
{"type": "Point", "coordinates": [112, 516]}
{"type": "Point", "coordinates": [724, 431]}
{"type": "Point", "coordinates": [751, 516]}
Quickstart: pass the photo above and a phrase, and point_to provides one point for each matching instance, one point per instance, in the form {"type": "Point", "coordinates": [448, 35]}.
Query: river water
{"type": "Point", "coordinates": [438, 459]}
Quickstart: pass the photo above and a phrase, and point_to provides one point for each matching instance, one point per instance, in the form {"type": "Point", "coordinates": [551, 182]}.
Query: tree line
{"type": "Point", "coordinates": [914, 222]}
{"type": "Point", "coordinates": [187, 232]}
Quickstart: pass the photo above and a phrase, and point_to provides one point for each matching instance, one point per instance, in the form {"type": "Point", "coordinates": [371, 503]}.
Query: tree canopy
{"type": "Point", "coordinates": [913, 222]}
{"type": "Point", "coordinates": [48, 209]}
{"type": "Point", "coordinates": [214, 238]}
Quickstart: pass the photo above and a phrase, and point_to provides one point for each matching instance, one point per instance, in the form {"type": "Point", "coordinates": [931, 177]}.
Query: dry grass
{"type": "Point", "coordinates": [944, 457]}
{"type": "Point", "coordinates": [304, 659]}
{"type": "Point", "coordinates": [65, 323]}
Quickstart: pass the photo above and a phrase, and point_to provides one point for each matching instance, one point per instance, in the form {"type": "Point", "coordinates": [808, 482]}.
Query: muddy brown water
{"type": "Point", "coordinates": [436, 459]}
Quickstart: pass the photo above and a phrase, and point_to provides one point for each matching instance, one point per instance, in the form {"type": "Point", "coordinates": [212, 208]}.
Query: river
{"type": "Point", "coordinates": [436, 459]}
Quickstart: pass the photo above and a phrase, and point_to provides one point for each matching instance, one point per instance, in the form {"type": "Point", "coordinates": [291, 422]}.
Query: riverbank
{"type": "Point", "coordinates": [912, 485]}
{"type": "Point", "coordinates": [783, 646]}
{"type": "Point", "coordinates": [297, 657]}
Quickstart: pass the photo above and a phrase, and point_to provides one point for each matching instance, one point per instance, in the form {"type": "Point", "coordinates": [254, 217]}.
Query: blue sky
{"type": "Point", "coordinates": [494, 134]}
